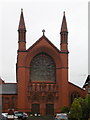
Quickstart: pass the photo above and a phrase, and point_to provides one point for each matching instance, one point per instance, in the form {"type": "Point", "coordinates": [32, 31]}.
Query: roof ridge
{"type": "Point", "coordinates": [43, 36]}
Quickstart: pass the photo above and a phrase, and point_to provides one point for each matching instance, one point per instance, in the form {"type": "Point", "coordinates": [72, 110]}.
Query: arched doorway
{"type": "Point", "coordinates": [50, 105]}
{"type": "Point", "coordinates": [49, 109]}
{"type": "Point", "coordinates": [35, 107]}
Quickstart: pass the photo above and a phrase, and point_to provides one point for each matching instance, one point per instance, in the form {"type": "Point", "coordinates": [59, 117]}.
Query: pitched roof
{"type": "Point", "coordinates": [87, 81]}
{"type": "Point", "coordinates": [1, 81]}
{"type": "Point", "coordinates": [70, 83]}
{"type": "Point", "coordinates": [44, 37]}
{"type": "Point", "coordinates": [8, 88]}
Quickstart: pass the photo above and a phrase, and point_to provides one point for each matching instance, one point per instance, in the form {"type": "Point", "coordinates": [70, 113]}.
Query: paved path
{"type": "Point", "coordinates": [41, 118]}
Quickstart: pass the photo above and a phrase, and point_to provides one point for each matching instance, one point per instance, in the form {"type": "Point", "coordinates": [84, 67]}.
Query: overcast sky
{"type": "Point", "coordinates": [45, 15]}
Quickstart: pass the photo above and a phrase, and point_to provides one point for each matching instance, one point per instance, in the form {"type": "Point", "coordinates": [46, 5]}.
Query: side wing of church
{"type": "Point", "coordinates": [42, 76]}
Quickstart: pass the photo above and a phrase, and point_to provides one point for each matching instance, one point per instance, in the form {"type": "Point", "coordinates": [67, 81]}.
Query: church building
{"type": "Point", "coordinates": [42, 84]}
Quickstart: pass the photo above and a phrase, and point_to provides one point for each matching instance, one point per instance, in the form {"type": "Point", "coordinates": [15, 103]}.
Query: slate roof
{"type": "Point", "coordinates": [87, 81]}
{"type": "Point", "coordinates": [8, 88]}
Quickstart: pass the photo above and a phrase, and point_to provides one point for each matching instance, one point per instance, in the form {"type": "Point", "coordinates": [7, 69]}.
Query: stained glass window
{"type": "Point", "coordinates": [42, 68]}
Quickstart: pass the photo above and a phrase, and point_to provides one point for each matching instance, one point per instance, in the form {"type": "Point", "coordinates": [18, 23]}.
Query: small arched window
{"type": "Point", "coordinates": [73, 96]}
{"type": "Point", "coordinates": [42, 68]}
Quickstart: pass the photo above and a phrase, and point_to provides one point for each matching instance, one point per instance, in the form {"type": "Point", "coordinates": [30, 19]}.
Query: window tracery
{"type": "Point", "coordinates": [42, 68]}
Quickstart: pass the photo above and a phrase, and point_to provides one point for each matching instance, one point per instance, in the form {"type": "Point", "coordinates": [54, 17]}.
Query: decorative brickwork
{"type": "Point", "coordinates": [42, 75]}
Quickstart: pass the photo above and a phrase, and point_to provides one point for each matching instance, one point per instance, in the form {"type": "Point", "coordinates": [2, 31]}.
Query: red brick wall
{"type": "Point", "coordinates": [23, 75]}
{"type": "Point", "coordinates": [7, 102]}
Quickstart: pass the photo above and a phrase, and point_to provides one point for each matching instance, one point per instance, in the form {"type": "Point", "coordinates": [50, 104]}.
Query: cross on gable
{"type": "Point", "coordinates": [43, 31]}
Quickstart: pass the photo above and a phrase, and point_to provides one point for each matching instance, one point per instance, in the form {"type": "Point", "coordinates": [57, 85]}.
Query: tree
{"type": "Point", "coordinates": [87, 100]}
{"type": "Point", "coordinates": [76, 109]}
{"type": "Point", "coordinates": [65, 109]}
{"type": "Point", "coordinates": [80, 108]}
{"type": "Point", "coordinates": [84, 108]}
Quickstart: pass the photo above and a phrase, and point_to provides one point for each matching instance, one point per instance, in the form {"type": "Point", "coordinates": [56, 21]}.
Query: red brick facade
{"type": "Point", "coordinates": [38, 93]}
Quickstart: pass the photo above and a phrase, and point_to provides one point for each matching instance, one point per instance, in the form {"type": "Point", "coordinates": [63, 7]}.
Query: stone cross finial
{"type": "Point", "coordinates": [21, 10]}
{"type": "Point", "coordinates": [64, 13]}
{"type": "Point", "coordinates": [43, 31]}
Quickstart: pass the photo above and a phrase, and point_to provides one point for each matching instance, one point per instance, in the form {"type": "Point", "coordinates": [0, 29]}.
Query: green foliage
{"type": "Point", "coordinates": [76, 110]}
{"type": "Point", "coordinates": [80, 108]}
{"type": "Point", "coordinates": [65, 109]}
{"type": "Point", "coordinates": [84, 107]}
{"type": "Point", "coordinates": [87, 99]}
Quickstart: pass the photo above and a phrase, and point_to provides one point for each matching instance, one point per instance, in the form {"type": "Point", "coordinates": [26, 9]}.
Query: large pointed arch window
{"type": "Point", "coordinates": [42, 68]}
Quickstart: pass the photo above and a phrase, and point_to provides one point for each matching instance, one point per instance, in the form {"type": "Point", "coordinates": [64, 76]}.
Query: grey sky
{"type": "Point", "coordinates": [45, 15]}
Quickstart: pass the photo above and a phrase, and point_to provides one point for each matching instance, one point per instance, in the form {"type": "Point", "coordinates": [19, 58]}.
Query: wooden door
{"type": "Point", "coordinates": [35, 108]}
{"type": "Point", "coordinates": [49, 109]}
